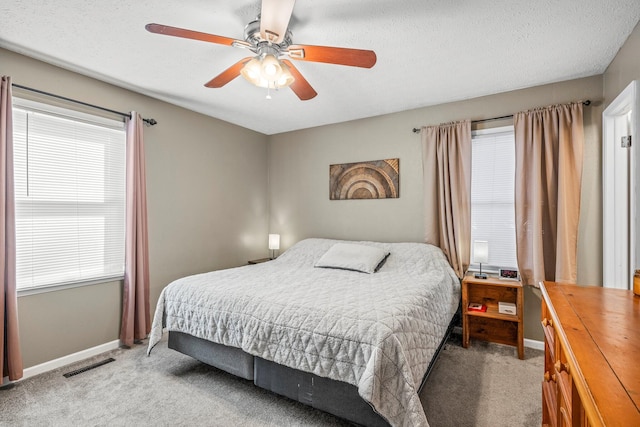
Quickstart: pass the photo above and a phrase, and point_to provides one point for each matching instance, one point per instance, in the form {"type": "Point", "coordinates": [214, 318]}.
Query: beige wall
{"type": "Point", "coordinates": [208, 207]}
{"type": "Point", "coordinates": [207, 203]}
{"type": "Point", "coordinates": [299, 175]}
{"type": "Point", "coordinates": [624, 68]}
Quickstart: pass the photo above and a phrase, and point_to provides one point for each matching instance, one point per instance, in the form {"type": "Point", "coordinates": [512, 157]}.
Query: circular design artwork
{"type": "Point", "coordinates": [377, 179]}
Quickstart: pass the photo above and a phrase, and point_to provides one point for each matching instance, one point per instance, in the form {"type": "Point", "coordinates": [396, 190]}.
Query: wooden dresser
{"type": "Point", "coordinates": [592, 356]}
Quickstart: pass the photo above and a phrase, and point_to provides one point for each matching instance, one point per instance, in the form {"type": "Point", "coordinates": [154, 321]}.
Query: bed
{"type": "Point", "coordinates": [354, 343]}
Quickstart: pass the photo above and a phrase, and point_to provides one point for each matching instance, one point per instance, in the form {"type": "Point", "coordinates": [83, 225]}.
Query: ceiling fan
{"type": "Point", "coordinates": [269, 38]}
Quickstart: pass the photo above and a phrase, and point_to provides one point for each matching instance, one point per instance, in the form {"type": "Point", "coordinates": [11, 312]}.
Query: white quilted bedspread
{"type": "Point", "coordinates": [376, 331]}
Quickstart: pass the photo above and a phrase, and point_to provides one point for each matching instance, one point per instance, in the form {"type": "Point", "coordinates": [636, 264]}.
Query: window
{"type": "Point", "coordinates": [492, 194]}
{"type": "Point", "coordinates": [69, 173]}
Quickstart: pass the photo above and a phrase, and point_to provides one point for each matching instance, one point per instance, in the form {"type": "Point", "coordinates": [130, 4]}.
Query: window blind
{"type": "Point", "coordinates": [492, 194]}
{"type": "Point", "coordinates": [69, 171]}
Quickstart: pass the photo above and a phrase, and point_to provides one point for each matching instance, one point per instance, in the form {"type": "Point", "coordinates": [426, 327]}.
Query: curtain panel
{"type": "Point", "coordinates": [549, 151]}
{"type": "Point", "coordinates": [446, 170]}
{"type": "Point", "coordinates": [10, 354]}
{"type": "Point", "coordinates": [136, 316]}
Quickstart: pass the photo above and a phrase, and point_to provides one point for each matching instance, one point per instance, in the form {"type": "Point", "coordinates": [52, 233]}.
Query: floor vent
{"type": "Point", "coordinates": [88, 368]}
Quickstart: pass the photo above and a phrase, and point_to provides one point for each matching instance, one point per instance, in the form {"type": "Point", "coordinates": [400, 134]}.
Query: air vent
{"type": "Point", "coordinates": [88, 368]}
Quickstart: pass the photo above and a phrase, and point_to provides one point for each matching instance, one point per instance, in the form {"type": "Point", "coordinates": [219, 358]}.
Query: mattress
{"type": "Point", "coordinates": [376, 331]}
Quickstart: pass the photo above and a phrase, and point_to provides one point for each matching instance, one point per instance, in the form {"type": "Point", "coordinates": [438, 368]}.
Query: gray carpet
{"type": "Point", "coordinates": [485, 385]}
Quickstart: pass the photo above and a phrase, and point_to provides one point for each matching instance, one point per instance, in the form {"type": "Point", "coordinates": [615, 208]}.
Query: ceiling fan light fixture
{"type": "Point", "coordinates": [267, 72]}
{"type": "Point", "coordinates": [252, 71]}
{"type": "Point", "coordinates": [286, 78]}
{"type": "Point", "coordinates": [271, 68]}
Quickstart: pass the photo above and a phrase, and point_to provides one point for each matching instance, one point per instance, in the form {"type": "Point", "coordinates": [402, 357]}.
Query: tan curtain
{"type": "Point", "coordinates": [136, 317]}
{"type": "Point", "coordinates": [10, 355]}
{"type": "Point", "coordinates": [446, 164]}
{"type": "Point", "coordinates": [549, 145]}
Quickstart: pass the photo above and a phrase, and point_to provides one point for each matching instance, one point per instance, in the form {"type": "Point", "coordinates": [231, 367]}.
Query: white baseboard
{"type": "Point", "coordinates": [537, 345]}
{"type": "Point", "coordinates": [94, 351]}
{"type": "Point", "coordinates": [71, 358]}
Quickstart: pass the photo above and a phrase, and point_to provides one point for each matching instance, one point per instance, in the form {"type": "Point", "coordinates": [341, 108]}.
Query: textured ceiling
{"type": "Point", "coordinates": [429, 52]}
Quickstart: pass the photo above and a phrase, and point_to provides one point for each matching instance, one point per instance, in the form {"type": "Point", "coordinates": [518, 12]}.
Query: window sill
{"type": "Point", "coordinates": [69, 285]}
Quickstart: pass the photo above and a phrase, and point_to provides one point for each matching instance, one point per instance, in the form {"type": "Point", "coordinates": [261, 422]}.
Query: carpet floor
{"type": "Point", "coordinates": [484, 385]}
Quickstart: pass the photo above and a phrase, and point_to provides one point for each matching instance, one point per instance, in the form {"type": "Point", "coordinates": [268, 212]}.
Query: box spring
{"type": "Point", "coordinates": [335, 397]}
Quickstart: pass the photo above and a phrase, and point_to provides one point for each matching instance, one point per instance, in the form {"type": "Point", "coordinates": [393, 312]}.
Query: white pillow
{"type": "Point", "coordinates": [349, 256]}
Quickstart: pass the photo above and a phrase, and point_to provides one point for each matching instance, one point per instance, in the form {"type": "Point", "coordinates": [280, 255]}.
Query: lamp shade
{"type": "Point", "coordinates": [286, 78]}
{"type": "Point", "coordinates": [481, 251]}
{"type": "Point", "coordinates": [251, 71]}
{"type": "Point", "coordinates": [274, 241]}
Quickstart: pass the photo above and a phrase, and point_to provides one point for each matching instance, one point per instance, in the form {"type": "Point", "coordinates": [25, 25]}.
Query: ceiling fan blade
{"type": "Point", "coordinates": [300, 86]}
{"type": "Point", "coordinates": [274, 19]}
{"type": "Point", "coordinates": [333, 55]}
{"type": "Point", "coordinates": [189, 34]}
{"type": "Point", "coordinates": [227, 75]}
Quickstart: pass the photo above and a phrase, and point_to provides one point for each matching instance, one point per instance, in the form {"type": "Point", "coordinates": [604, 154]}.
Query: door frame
{"type": "Point", "coordinates": [618, 272]}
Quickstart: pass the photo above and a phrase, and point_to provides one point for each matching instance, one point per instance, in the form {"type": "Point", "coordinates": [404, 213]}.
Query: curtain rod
{"type": "Point", "coordinates": [417, 130]}
{"type": "Point", "coordinates": [149, 122]}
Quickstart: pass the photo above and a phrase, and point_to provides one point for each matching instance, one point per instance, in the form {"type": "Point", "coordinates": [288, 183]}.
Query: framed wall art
{"type": "Point", "coordinates": [377, 179]}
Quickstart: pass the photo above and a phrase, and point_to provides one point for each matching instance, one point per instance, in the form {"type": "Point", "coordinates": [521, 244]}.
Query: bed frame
{"type": "Point", "coordinates": [335, 397]}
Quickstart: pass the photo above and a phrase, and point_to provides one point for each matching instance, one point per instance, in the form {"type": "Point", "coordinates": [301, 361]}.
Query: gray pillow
{"type": "Point", "coordinates": [351, 256]}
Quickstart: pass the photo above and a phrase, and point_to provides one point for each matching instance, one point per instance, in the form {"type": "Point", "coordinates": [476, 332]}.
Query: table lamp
{"type": "Point", "coordinates": [274, 244]}
{"type": "Point", "coordinates": [480, 255]}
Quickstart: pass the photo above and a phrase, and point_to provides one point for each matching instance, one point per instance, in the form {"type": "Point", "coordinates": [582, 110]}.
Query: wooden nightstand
{"type": "Point", "coordinates": [492, 325]}
{"type": "Point", "coordinates": [258, 261]}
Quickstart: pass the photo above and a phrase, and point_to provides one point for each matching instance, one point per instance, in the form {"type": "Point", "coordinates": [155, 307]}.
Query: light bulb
{"type": "Point", "coordinates": [271, 68]}
{"type": "Point", "coordinates": [252, 74]}
{"type": "Point", "coordinates": [286, 78]}
{"type": "Point", "coordinates": [251, 71]}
